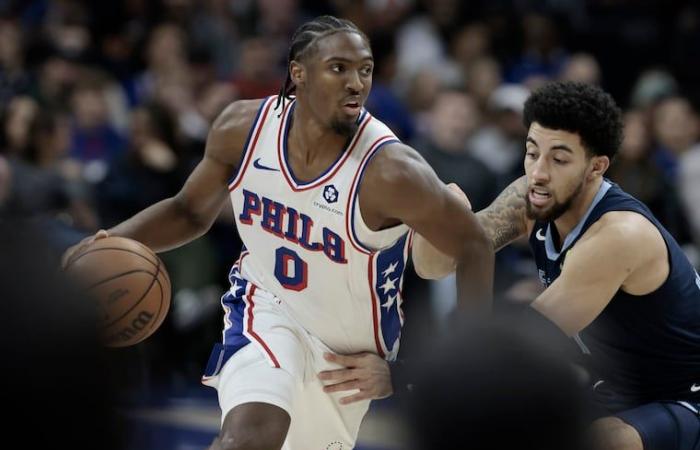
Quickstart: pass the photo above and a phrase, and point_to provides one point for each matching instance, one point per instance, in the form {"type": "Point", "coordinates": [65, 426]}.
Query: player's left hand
{"type": "Point", "coordinates": [366, 371]}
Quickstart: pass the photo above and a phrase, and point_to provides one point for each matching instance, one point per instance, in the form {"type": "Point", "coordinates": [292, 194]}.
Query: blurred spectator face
{"type": "Point", "coordinates": [636, 139]}
{"type": "Point", "coordinates": [582, 68]}
{"type": "Point", "coordinates": [10, 44]}
{"type": "Point", "coordinates": [472, 42]}
{"type": "Point", "coordinates": [675, 124]}
{"type": "Point", "coordinates": [442, 12]}
{"type": "Point", "coordinates": [278, 15]}
{"type": "Point", "coordinates": [483, 78]}
{"type": "Point", "coordinates": [57, 75]}
{"type": "Point", "coordinates": [90, 107]}
{"type": "Point", "coordinates": [507, 104]}
{"type": "Point", "coordinates": [423, 90]}
{"type": "Point", "coordinates": [257, 59]}
{"type": "Point", "coordinates": [166, 48]}
{"type": "Point", "coordinates": [540, 34]}
{"type": "Point", "coordinates": [214, 99]}
{"type": "Point", "coordinates": [20, 113]}
{"type": "Point", "coordinates": [453, 118]}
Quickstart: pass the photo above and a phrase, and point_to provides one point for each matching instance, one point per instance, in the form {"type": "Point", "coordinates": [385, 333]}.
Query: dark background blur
{"type": "Point", "coordinates": [105, 107]}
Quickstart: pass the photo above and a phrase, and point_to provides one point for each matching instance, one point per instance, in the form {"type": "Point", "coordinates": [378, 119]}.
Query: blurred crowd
{"type": "Point", "coordinates": [105, 108]}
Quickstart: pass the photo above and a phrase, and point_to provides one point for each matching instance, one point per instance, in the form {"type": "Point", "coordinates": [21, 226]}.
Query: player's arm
{"type": "Point", "coordinates": [190, 213]}
{"type": "Point", "coordinates": [596, 268]}
{"type": "Point", "coordinates": [400, 186]}
{"type": "Point", "coordinates": [504, 221]}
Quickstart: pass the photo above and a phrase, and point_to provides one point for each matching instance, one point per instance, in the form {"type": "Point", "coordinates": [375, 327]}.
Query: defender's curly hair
{"type": "Point", "coordinates": [578, 108]}
{"type": "Point", "coordinates": [304, 40]}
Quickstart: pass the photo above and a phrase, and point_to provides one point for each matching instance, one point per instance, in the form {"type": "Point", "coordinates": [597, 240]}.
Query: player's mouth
{"type": "Point", "coordinates": [539, 196]}
{"type": "Point", "coordinates": [352, 106]}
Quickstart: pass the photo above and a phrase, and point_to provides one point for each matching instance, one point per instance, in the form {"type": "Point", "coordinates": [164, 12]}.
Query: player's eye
{"type": "Point", "coordinates": [337, 68]}
{"type": "Point", "coordinates": [366, 71]}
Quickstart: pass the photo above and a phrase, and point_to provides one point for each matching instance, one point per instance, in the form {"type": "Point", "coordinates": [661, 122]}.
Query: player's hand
{"type": "Point", "coordinates": [80, 246]}
{"type": "Point", "coordinates": [460, 193]}
{"type": "Point", "coordinates": [366, 371]}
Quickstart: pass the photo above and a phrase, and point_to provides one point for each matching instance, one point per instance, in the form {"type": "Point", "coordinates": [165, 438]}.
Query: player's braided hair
{"type": "Point", "coordinates": [304, 41]}
{"type": "Point", "coordinates": [578, 108]}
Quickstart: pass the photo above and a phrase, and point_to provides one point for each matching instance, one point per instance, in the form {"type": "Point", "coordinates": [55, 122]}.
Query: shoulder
{"type": "Point", "coordinates": [626, 232]}
{"type": "Point", "coordinates": [396, 165]}
{"type": "Point", "coordinates": [237, 116]}
{"type": "Point", "coordinates": [230, 130]}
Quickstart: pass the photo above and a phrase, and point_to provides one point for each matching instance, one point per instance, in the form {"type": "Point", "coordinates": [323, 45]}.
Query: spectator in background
{"type": "Point", "coordinates": [147, 171]}
{"type": "Point", "coordinates": [637, 174]}
{"type": "Point", "coordinates": [257, 75]}
{"type": "Point", "coordinates": [581, 68]}
{"type": "Point", "coordinates": [482, 78]}
{"type": "Point", "coordinates": [14, 77]}
{"type": "Point", "coordinates": [675, 127]}
{"type": "Point", "coordinates": [382, 102]}
{"type": "Point", "coordinates": [542, 57]}
{"type": "Point", "coordinates": [94, 137]}
{"type": "Point", "coordinates": [469, 44]}
{"type": "Point", "coordinates": [454, 118]}
{"type": "Point", "coordinates": [47, 187]}
{"type": "Point", "coordinates": [58, 75]}
{"type": "Point", "coordinates": [499, 144]}
{"type": "Point", "coordinates": [17, 118]}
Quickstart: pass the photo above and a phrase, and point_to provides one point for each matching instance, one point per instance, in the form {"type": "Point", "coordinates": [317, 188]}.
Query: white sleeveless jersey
{"type": "Point", "coordinates": [307, 244]}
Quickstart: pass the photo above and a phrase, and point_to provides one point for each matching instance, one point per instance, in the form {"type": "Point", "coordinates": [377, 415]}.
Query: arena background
{"type": "Point", "coordinates": [105, 108]}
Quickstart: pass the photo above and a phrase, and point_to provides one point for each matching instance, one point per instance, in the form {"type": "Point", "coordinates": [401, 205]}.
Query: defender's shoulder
{"type": "Point", "coordinates": [628, 229]}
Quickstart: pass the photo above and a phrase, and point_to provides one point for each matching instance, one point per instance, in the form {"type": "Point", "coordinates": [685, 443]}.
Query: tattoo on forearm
{"type": "Point", "coordinates": [504, 220]}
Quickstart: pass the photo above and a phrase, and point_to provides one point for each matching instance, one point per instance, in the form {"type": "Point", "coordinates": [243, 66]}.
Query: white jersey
{"type": "Point", "coordinates": [307, 244]}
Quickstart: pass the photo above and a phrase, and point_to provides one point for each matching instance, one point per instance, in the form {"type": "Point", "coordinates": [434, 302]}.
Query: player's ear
{"type": "Point", "coordinates": [599, 166]}
{"type": "Point", "coordinates": [297, 73]}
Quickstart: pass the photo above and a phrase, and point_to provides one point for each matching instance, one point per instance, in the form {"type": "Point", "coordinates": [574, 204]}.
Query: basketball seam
{"type": "Point", "coordinates": [114, 277]}
{"type": "Point", "coordinates": [155, 264]}
{"type": "Point", "coordinates": [139, 300]}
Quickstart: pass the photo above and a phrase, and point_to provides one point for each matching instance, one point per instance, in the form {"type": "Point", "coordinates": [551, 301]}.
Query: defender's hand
{"type": "Point", "coordinates": [366, 371]}
{"type": "Point", "coordinates": [80, 246]}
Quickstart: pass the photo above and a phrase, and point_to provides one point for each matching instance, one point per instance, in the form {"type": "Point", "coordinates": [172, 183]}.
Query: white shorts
{"type": "Point", "coordinates": [289, 381]}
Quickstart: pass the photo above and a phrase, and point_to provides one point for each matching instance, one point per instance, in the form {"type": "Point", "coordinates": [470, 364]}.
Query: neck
{"type": "Point", "coordinates": [578, 209]}
{"type": "Point", "coordinates": [309, 139]}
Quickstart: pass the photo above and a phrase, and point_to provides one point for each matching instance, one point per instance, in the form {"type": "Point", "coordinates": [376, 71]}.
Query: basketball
{"type": "Point", "coordinates": [130, 285]}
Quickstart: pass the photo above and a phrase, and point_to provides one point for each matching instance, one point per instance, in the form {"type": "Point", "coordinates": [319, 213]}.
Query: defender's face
{"type": "Point", "coordinates": [556, 165]}
{"type": "Point", "coordinates": [339, 78]}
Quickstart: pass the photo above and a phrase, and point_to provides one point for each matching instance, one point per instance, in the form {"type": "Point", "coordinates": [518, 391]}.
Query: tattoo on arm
{"type": "Point", "coordinates": [505, 219]}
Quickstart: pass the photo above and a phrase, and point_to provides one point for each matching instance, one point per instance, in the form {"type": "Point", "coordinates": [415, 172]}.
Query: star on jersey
{"type": "Point", "coordinates": [390, 301]}
{"type": "Point", "coordinates": [235, 287]}
{"type": "Point", "coordinates": [391, 269]}
{"type": "Point", "coordinates": [389, 284]}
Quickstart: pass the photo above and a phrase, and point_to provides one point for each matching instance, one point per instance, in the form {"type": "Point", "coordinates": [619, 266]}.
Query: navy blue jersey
{"type": "Point", "coordinates": [645, 348]}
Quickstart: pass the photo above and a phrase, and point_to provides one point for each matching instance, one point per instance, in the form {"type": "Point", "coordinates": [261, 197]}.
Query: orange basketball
{"type": "Point", "coordinates": [130, 284]}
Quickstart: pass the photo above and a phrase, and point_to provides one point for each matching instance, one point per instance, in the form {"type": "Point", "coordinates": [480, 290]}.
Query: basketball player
{"type": "Point", "coordinates": [616, 280]}
{"type": "Point", "coordinates": [324, 197]}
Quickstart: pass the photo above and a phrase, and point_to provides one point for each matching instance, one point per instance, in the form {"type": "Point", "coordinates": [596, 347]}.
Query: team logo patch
{"type": "Point", "coordinates": [330, 194]}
